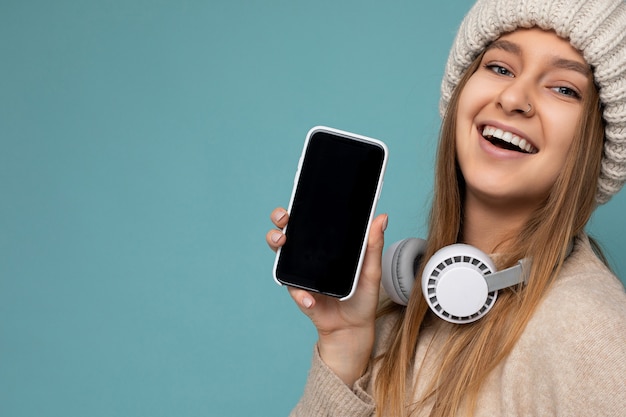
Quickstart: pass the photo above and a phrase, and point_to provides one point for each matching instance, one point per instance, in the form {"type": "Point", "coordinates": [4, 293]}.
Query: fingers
{"type": "Point", "coordinates": [275, 238]}
{"type": "Point", "coordinates": [279, 217]}
{"type": "Point", "coordinates": [303, 299]}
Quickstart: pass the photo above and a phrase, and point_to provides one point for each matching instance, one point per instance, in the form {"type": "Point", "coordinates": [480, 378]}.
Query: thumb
{"type": "Point", "coordinates": [377, 234]}
{"type": "Point", "coordinates": [371, 269]}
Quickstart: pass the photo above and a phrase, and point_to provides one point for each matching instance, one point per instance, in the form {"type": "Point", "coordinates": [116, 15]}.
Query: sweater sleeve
{"type": "Point", "coordinates": [327, 395]}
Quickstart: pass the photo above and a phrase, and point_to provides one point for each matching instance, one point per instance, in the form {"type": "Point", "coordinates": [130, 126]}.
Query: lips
{"type": "Point", "coordinates": [507, 140]}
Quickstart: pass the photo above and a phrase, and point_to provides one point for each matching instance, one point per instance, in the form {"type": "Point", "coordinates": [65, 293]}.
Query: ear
{"type": "Point", "coordinates": [399, 268]}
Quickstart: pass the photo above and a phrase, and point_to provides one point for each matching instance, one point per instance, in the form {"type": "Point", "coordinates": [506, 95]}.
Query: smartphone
{"type": "Point", "coordinates": [336, 188]}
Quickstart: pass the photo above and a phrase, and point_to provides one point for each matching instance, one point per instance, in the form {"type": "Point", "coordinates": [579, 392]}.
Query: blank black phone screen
{"type": "Point", "coordinates": [329, 214]}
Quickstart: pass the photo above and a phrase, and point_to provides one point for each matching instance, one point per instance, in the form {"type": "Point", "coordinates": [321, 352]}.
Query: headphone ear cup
{"type": "Point", "coordinates": [399, 268]}
{"type": "Point", "coordinates": [454, 284]}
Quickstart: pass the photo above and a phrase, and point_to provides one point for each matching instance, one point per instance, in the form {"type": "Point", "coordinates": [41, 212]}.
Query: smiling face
{"type": "Point", "coordinates": [517, 117]}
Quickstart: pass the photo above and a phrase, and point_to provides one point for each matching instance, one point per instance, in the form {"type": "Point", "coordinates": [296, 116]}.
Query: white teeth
{"type": "Point", "coordinates": [523, 144]}
{"type": "Point", "coordinates": [490, 131]}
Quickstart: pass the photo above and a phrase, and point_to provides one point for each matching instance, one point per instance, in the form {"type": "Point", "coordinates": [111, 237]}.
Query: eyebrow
{"type": "Point", "coordinates": [505, 46]}
{"type": "Point", "coordinates": [562, 63]}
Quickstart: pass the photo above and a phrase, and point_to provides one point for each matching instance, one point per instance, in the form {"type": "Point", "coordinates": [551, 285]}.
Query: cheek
{"type": "Point", "coordinates": [465, 114]}
{"type": "Point", "coordinates": [561, 131]}
{"type": "Point", "coordinates": [474, 97]}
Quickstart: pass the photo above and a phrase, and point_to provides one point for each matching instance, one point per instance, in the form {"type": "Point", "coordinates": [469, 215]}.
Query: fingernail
{"type": "Point", "coordinates": [276, 237]}
{"type": "Point", "coordinates": [307, 302]}
{"type": "Point", "coordinates": [385, 222]}
{"type": "Point", "coordinates": [279, 215]}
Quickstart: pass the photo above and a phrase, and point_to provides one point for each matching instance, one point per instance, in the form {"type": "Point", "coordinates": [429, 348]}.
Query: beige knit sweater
{"type": "Point", "coordinates": [570, 360]}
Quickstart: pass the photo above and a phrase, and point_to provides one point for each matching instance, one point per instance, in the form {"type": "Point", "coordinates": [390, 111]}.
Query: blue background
{"type": "Point", "coordinates": [143, 146]}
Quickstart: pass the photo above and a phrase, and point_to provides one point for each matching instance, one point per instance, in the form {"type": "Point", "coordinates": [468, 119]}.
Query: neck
{"type": "Point", "coordinates": [490, 226]}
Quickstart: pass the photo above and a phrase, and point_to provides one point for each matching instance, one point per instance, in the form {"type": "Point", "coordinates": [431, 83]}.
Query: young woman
{"type": "Point", "coordinates": [533, 139]}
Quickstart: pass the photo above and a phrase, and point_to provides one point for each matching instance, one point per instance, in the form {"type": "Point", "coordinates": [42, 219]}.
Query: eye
{"type": "Point", "coordinates": [499, 69]}
{"type": "Point", "coordinates": [566, 91]}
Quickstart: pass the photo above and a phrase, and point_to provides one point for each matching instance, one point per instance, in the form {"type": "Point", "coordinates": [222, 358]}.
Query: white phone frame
{"type": "Point", "coordinates": [379, 187]}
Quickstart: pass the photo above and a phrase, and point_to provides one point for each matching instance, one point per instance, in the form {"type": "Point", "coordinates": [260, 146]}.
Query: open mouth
{"type": "Point", "coordinates": [507, 140]}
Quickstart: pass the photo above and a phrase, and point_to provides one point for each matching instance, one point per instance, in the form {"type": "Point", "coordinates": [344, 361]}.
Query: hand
{"type": "Point", "coordinates": [345, 328]}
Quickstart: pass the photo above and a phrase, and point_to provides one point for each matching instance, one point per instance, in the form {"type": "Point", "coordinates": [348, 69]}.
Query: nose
{"type": "Point", "coordinates": [515, 98]}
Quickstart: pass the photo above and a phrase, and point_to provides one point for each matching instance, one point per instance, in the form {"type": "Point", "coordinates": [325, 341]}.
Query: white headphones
{"type": "Point", "coordinates": [460, 282]}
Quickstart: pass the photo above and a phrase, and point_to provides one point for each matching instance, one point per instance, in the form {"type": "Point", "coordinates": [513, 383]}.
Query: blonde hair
{"type": "Point", "coordinates": [473, 350]}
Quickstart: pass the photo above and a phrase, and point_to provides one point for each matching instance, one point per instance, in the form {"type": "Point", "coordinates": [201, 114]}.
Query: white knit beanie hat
{"type": "Point", "coordinates": [597, 28]}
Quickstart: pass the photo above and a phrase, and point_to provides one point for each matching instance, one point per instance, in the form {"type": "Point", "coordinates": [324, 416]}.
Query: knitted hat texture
{"type": "Point", "coordinates": [596, 28]}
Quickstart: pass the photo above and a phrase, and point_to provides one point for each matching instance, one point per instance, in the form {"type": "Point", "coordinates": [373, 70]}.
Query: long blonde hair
{"type": "Point", "coordinates": [473, 350]}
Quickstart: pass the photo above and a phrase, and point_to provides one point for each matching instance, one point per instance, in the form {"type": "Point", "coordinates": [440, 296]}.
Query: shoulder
{"type": "Point", "coordinates": [585, 291]}
{"type": "Point", "coordinates": [572, 351]}
{"type": "Point", "coordinates": [586, 305]}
